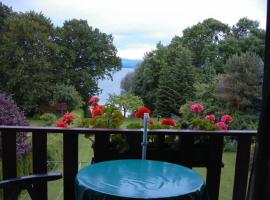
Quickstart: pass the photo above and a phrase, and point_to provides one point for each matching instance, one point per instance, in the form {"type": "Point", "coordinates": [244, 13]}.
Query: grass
{"type": "Point", "coordinates": [55, 147]}
{"type": "Point", "coordinates": [227, 175]}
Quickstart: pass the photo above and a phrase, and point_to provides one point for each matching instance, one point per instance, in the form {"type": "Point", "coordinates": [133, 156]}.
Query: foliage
{"type": "Point", "coordinates": [146, 78]}
{"type": "Point", "coordinates": [111, 118]}
{"type": "Point", "coordinates": [86, 55]}
{"type": "Point", "coordinates": [245, 36]}
{"type": "Point", "coordinates": [193, 117]}
{"type": "Point", "coordinates": [134, 125]}
{"type": "Point", "coordinates": [127, 83]}
{"type": "Point", "coordinates": [203, 40]}
{"type": "Point", "coordinates": [176, 80]}
{"type": "Point", "coordinates": [25, 63]}
{"type": "Point", "coordinates": [5, 12]}
{"type": "Point", "coordinates": [164, 80]}
{"type": "Point", "coordinates": [239, 87]}
{"type": "Point", "coordinates": [245, 121]}
{"type": "Point", "coordinates": [34, 54]}
{"type": "Point", "coordinates": [48, 118]}
{"type": "Point", "coordinates": [10, 115]}
{"type": "Point", "coordinates": [102, 116]}
{"type": "Point", "coordinates": [126, 102]}
{"type": "Point", "coordinates": [66, 94]}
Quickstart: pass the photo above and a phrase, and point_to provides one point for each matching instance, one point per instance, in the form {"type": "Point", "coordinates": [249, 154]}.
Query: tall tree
{"type": "Point", "coordinates": [86, 55]}
{"type": "Point", "coordinates": [25, 59]}
{"type": "Point", "coordinates": [239, 87]}
{"type": "Point", "coordinates": [203, 39]}
{"type": "Point", "coordinates": [5, 12]}
{"type": "Point", "coordinates": [147, 74]}
{"type": "Point", "coordinates": [245, 36]}
{"type": "Point", "coordinates": [176, 81]}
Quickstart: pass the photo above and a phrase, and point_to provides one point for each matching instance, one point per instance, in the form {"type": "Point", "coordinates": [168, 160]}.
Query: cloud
{"type": "Point", "coordinates": [135, 51]}
{"type": "Point", "coordinates": [145, 21]}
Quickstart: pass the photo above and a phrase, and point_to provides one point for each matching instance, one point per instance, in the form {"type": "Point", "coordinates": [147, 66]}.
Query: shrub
{"type": "Point", "coordinates": [49, 118]}
{"type": "Point", "coordinates": [67, 94]}
{"type": "Point", "coordinates": [10, 115]}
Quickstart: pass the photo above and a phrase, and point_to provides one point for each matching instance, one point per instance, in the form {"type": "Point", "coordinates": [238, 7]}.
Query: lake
{"type": "Point", "coordinates": [112, 87]}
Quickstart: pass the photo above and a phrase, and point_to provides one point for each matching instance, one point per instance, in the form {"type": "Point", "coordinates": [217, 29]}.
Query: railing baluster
{"type": "Point", "coordinates": [214, 166]}
{"type": "Point", "coordinates": [101, 147]}
{"type": "Point", "coordinates": [134, 141]}
{"type": "Point", "coordinates": [70, 164]}
{"type": "Point", "coordinates": [39, 142]}
{"type": "Point", "coordinates": [9, 159]}
{"type": "Point", "coordinates": [241, 168]}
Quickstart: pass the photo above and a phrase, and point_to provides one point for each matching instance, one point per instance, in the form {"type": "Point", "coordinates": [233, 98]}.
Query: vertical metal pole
{"type": "Point", "coordinates": [145, 135]}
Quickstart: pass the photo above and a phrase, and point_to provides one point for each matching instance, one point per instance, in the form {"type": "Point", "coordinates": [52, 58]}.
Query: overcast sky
{"type": "Point", "coordinates": [138, 25]}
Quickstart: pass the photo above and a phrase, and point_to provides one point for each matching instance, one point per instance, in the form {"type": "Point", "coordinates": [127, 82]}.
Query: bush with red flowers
{"type": "Point", "coordinates": [93, 100]}
{"type": "Point", "coordinates": [66, 120]}
{"type": "Point", "coordinates": [222, 125]}
{"type": "Point", "coordinates": [226, 119]}
{"type": "Point", "coordinates": [140, 112]}
{"type": "Point", "coordinates": [102, 116]}
{"type": "Point", "coordinates": [168, 122]}
{"type": "Point", "coordinates": [197, 120]}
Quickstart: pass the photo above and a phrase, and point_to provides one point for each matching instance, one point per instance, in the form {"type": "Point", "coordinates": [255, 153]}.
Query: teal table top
{"type": "Point", "coordinates": [139, 179]}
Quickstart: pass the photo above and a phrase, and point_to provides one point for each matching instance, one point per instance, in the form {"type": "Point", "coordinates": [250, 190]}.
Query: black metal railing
{"type": "Point", "coordinates": [187, 153]}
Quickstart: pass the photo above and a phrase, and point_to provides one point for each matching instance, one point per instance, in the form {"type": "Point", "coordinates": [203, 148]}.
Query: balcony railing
{"type": "Point", "coordinates": [187, 155]}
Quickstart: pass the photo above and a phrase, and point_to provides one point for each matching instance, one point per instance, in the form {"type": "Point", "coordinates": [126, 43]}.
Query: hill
{"type": "Point", "coordinates": [130, 63]}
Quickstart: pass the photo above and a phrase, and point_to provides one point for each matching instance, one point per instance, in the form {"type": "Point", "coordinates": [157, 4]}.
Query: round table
{"type": "Point", "coordinates": [139, 179]}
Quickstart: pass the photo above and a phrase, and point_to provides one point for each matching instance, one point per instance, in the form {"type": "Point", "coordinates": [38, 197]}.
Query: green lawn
{"type": "Point", "coordinates": [55, 146]}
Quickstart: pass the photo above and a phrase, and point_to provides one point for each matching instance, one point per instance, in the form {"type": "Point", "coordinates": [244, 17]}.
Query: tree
{"type": "Point", "coordinates": [25, 59]}
{"type": "Point", "coordinates": [67, 94]}
{"type": "Point", "coordinates": [127, 82]}
{"type": "Point", "coordinates": [126, 102]}
{"type": "Point", "coordinates": [176, 81]}
{"type": "Point", "coordinates": [146, 78]}
{"type": "Point", "coordinates": [245, 36]}
{"type": "Point", "coordinates": [203, 39]}
{"type": "Point", "coordinates": [86, 56]}
{"type": "Point", "coordinates": [239, 87]}
{"type": "Point", "coordinates": [5, 12]}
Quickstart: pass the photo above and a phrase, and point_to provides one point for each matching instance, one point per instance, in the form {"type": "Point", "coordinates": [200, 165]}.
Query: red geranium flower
{"type": "Point", "coordinates": [62, 124]}
{"type": "Point", "coordinates": [168, 121]}
{"type": "Point", "coordinates": [93, 100]}
{"type": "Point", "coordinates": [197, 108]}
{"type": "Point", "coordinates": [210, 117]}
{"type": "Point", "coordinates": [97, 110]}
{"type": "Point", "coordinates": [151, 122]}
{"type": "Point", "coordinates": [68, 118]}
{"type": "Point", "coordinates": [222, 125]}
{"type": "Point", "coordinates": [226, 119]}
{"type": "Point", "coordinates": [141, 111]}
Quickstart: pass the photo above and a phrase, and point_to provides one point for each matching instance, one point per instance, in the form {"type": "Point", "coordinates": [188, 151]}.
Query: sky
{"type": "Point", "coordinates": [138, 25]}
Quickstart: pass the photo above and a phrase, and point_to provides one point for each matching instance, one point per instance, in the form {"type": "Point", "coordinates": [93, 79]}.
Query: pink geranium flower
{"type": "Point", "coordinates": [210, 117]}
{"type": "Point", "coordinates": [197, 108]}
{"type": "Point", "coordinates": [222, 125]}
{"type": "Point", "coordinates": [226, 119]}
